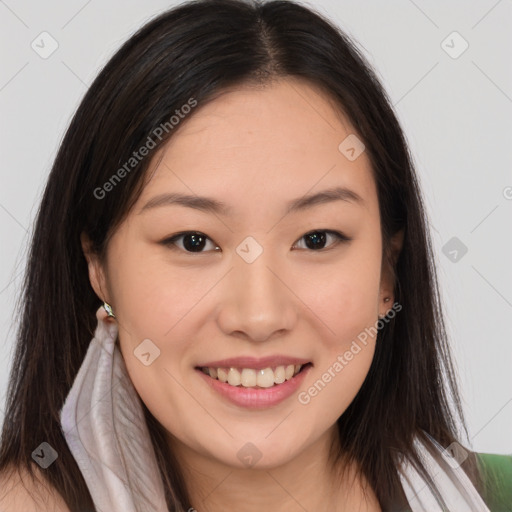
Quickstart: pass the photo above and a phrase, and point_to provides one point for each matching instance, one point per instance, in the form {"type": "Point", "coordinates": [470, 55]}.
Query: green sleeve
{"type": "Point", "coordinates": [496, 472]}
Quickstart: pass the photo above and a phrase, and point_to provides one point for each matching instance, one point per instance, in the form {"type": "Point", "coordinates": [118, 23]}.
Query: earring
{"type": "Point", "coordinates": [108, 308]}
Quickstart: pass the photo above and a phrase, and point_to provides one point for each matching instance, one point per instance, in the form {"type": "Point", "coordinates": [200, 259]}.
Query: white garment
{"type": "Point", "coordinates": [104, 426]}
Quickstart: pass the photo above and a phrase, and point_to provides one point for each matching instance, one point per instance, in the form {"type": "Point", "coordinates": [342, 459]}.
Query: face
{"type": "Point", "coordinates": [265, 280]}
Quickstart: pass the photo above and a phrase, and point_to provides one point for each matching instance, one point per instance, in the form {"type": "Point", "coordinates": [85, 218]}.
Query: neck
{"type": "Point", "coordinates": [307, 482]}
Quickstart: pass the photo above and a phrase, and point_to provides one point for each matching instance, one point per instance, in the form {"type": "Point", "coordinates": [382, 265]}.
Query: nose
{"type": "Point", "coordinates": [258, 303]}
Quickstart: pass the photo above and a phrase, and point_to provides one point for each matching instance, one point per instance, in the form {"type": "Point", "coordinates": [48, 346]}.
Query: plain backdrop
{"type": "Point", "coordinates": [452, 93]}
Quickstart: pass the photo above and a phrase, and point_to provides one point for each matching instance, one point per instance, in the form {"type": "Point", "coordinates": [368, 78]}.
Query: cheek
{"type": "Point", "coordinates": [155, 298]}
{"type": "Point", "coordinates": [153, 303]}
{"type": "Point", "coordinates": [347, 303]}
{"type": "Point", "coordinates": [344, 295]}
{"type": "Point", "coordinates": [158, 377]}
{"type": "Point", "coordinates": [347, 307]}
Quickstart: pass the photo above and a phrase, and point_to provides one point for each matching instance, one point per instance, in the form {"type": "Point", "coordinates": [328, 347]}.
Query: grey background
{"type": "Point", "coordinates": [456, 113]}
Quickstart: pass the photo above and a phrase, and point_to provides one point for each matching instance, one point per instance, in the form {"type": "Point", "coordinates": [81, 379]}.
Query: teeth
{"type": "Point", "coordinates": [280, 375]}
{"type": "Point", "coordinates": [265, 378]}
{"type": "Point", "coordinates": [222, 374]}
{"type": "Point", "coordinates": [234, 377]}
{"type": "Point", "coordinates": [249, 378]}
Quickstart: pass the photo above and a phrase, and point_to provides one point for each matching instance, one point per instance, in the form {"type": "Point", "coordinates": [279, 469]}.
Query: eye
{"type": "Point", "coordinates": [193, 241]}
{"type": "Point", "coordinates": [315, 240]}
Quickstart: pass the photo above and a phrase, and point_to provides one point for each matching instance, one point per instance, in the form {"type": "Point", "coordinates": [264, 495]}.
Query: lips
{"type": "Point", "coordinates": [255, 382]}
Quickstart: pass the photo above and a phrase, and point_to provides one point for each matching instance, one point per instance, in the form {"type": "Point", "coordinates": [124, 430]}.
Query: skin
{"type": "Point", "coordinates": [254, 149]}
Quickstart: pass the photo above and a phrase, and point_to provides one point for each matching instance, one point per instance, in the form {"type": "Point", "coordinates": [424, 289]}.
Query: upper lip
{"type": "Point", "coordinates": [254, 362]}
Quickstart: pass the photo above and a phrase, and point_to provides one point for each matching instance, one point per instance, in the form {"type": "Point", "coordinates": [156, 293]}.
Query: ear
{"type": "Point", "coordinates": [96, 270]}
{"type": "Point", "coordinates": [387, 284]}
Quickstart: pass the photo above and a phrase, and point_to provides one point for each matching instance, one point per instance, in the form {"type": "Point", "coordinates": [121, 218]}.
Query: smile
{"type": "Point", "coordinates": [253, 388]}
{"type": "Point", "coordinates": [252, 378]}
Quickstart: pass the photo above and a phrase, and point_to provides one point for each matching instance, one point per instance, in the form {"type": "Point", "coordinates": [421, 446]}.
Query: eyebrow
{"type": "Point", "coordinates": [208, 204]}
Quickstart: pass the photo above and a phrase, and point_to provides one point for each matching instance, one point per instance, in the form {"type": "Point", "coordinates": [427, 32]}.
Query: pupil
{"type": "Point", "coordinates": [197, 242]}
{"type": "Point", "coordinates": [316, 238]}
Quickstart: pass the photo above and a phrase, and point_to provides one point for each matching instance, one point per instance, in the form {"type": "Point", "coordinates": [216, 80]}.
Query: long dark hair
{"type": "Point", "coordinates": [198, 50]}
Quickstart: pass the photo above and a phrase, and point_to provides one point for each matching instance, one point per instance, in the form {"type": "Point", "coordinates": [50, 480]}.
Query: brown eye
{"type": "Point", "coordinates": [192, 241]}
{"type": "Point", "coordinates": [316, 240]}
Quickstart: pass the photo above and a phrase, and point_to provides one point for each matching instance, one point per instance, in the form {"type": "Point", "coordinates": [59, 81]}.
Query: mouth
{"type": "Point", "coordinates": [262, 378]}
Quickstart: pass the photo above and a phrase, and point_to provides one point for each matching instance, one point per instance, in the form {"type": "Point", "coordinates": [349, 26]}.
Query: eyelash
{"type": "Point", "coordinates": [340, 238]}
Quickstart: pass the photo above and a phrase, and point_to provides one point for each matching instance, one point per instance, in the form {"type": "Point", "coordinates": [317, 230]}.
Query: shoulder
{"type": "Point", "coordinates": [19, 491]}
{"type": "Point", "coordinates": [496, 474]}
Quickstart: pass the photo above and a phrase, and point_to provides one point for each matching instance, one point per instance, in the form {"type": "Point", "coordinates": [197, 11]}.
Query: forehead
{"type": "Point", "coordinates": [280, 141]}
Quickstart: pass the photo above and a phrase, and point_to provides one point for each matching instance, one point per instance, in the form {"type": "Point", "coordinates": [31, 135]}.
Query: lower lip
{"type": "Point", "coordinates": [257, 398]}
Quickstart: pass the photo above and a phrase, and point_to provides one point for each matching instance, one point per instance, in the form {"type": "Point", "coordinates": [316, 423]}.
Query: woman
{"type": "Point", "coordinates": [234, 219]}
